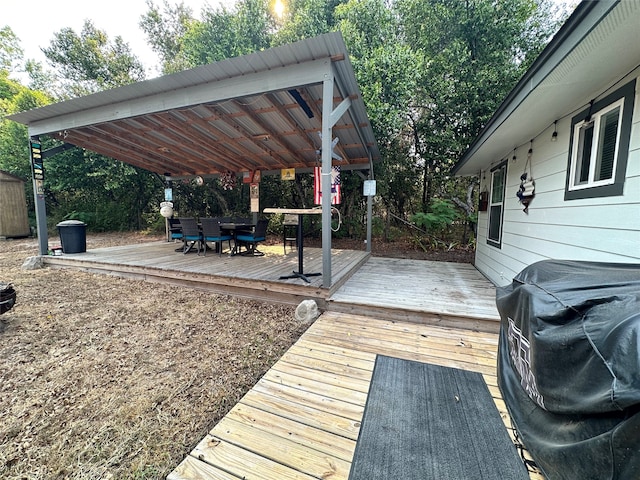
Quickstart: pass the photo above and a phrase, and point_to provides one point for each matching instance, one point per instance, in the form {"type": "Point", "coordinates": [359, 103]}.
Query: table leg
{"type": "Point", "coordinates": [300, 273]}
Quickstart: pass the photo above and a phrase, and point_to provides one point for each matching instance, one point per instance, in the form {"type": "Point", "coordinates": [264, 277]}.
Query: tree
{"type": "Point", "coordinates": [431, 73]}
{"type": "Point", "coordinates": [226, 34]}
{"type": "Point", "coordinates": [14, 150]}
{"type": "Point", "coordinates": [105, 193]}
{"type": "Point", "coordinates": [306, 19]}
{"type": "Point", "coordinates": [165, 34]}
{"type": "Point", "coordinates": [474, 52]}
{"type": "Point", "coordinates": [89, 62]}
{"type": "Point", "coordinates": [10, 50]}
{"type": "Point", "coordinates": [387, 70]}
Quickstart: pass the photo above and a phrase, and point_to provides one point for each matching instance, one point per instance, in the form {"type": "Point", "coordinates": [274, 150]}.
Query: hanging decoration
{"type": "Point", "coordinates": [287, 174]}
{"type": "Point", "coordinates": [228, 180]}
{"type": "Point", "coordinates": [527, 189]}
{"type": "Point", "coordinates": [335, 185]}
{"type": "Point", "coordinates": [251, 177]}
{"type": "Point", "coordinates": [483, 200]}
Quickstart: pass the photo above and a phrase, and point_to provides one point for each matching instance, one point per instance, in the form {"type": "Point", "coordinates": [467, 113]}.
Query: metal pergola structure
{"type": "Point", "coordinates": [267, 111]}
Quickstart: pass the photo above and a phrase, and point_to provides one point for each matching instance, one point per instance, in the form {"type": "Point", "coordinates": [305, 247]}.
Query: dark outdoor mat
{"type": "Point", "coordinates": [426, 422]}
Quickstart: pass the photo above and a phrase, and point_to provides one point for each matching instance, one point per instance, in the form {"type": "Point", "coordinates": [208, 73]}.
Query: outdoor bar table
{"type": "Point", "coordinates": [300, 238]}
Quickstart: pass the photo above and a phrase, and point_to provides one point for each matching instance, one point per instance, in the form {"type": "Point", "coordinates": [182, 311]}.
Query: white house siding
{"type": "Point", "coordinates": [597, 229]}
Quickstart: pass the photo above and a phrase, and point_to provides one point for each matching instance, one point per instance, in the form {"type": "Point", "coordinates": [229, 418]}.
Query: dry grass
{"type": "Point", "coordinates": [103, 377]}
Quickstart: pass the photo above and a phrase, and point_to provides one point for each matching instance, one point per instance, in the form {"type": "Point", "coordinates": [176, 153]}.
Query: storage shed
{"type": "Point", "coordinates": [14, 221]}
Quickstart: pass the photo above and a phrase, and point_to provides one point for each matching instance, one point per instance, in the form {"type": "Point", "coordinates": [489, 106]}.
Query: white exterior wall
{"type": "Point", "coordinates": [603, 229]}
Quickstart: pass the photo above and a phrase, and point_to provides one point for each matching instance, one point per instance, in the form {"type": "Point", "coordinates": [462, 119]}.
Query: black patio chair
{"type": "Point", "coordinates": [289, 231]}
{"type": "Point", "coordinates": [211, 232]}
{"type": "Point", "coordinates": [175, 231]}
{"type": "Point", "coordinates": [191, 235]}
{"type": "Point", "coordinates": [250, 240]}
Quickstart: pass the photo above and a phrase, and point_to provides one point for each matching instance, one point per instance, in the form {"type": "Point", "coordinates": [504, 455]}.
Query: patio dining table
{"type": "Point", "coordinates": [232, 227]}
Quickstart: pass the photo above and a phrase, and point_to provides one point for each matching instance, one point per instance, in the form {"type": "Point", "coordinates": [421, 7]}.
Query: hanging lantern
{"type": "Point", "coordinates": [166, 211]}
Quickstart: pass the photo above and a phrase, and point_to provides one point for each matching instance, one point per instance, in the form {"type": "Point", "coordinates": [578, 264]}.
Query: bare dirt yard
{"type": "Point", "coordinates": [109, 378]}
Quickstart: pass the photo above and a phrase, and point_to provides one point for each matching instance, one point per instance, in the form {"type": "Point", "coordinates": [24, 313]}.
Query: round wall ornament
{"type": "Point", "coordinates": [228, 180]}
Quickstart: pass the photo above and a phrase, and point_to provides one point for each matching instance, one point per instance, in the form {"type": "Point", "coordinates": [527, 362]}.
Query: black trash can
{"type": "Point", "coordinates": [73, 236]}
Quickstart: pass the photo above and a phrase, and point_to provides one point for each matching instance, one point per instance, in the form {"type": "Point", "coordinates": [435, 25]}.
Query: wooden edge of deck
{"type": "Point", "coordinates": [263, 290]}
{"type": "Point", "coordinates": [424, 317]}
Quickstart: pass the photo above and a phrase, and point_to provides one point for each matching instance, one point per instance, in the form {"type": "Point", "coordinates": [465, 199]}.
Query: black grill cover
{"type": "Point", "coordinates": [568, 366]}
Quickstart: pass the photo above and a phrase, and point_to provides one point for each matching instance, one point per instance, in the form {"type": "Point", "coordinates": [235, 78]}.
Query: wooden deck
{"type": "Point", "coordinates": [301, 420]}
{"type": "Point", "coordinates": [253, 277]}
{"type": "Point", "coordinates": [442, 293]}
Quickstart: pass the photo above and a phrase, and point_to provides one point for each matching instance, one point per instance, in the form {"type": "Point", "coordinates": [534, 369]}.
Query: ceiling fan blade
{"type": "Point", "coordinates": [334, 142]}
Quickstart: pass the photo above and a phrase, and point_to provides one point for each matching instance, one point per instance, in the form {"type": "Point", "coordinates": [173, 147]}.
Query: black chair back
{"type": "Point", "coordinates": [190, 233]}
{"type": "Point", "coordinates": [189, 227]}
{"type": "Point", "coordinates": [261, 229]}
{"type": "Point", "coordinates": [210, 227]}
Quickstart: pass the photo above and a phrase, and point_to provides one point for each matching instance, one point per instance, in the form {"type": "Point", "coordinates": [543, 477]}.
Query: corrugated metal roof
{"type": "Point", "coordinates": [259, 111]}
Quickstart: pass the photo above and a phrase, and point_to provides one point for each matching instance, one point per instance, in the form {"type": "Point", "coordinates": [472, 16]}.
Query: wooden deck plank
{"type": "Point", "coordinates": [244, 463]}
{"type": "Point", "coordinates": [451, 347]}
{"type": "Point", "coordinates": [288, 372]}
{"type": "Point", "coordinates": [317, 401]}
{"type": "Point", "coordinates": [193, 468]}
{"type": "Point", "coordinates": [303, 414]}
{"type": "Point", "coordinates": [283, 450]}
{"type": "Point", "coordinates": [306, 362]}
{"type": "Point", "coordinates": [374, 345]}
{"type": "Point", "coordinates": [322, 440]}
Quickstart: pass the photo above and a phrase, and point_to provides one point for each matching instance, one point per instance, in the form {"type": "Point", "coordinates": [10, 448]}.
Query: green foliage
{"type": "Point", "coordinates": [184, 42]}
{"type": "Point", "coordinates": [10, 50]}
{"type": "Point", "coordinates": [474, 51]}
{"type": "Point", "coordinates": [89, 62]}
{"type": "Point", "coordinates": [166, 32]}
{"type": "Point", "coordinates": [106, 194]}
{"type": "Point", "coordinates": [306, 19]}
{"type": "Point", "coordinates": [386, 67]}
{"type": "Point", "coordinates": [377, 227]}
{"type": "Point", "coordinates": [442, 213]}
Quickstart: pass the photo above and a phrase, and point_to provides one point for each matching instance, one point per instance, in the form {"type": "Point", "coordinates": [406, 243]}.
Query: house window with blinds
{"type": "Point", "coordinates": [600, 147]}
{"type": "Point", "coordinates": [595, 152]}
{"type": "Point", "coordinates": [496, 204]}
